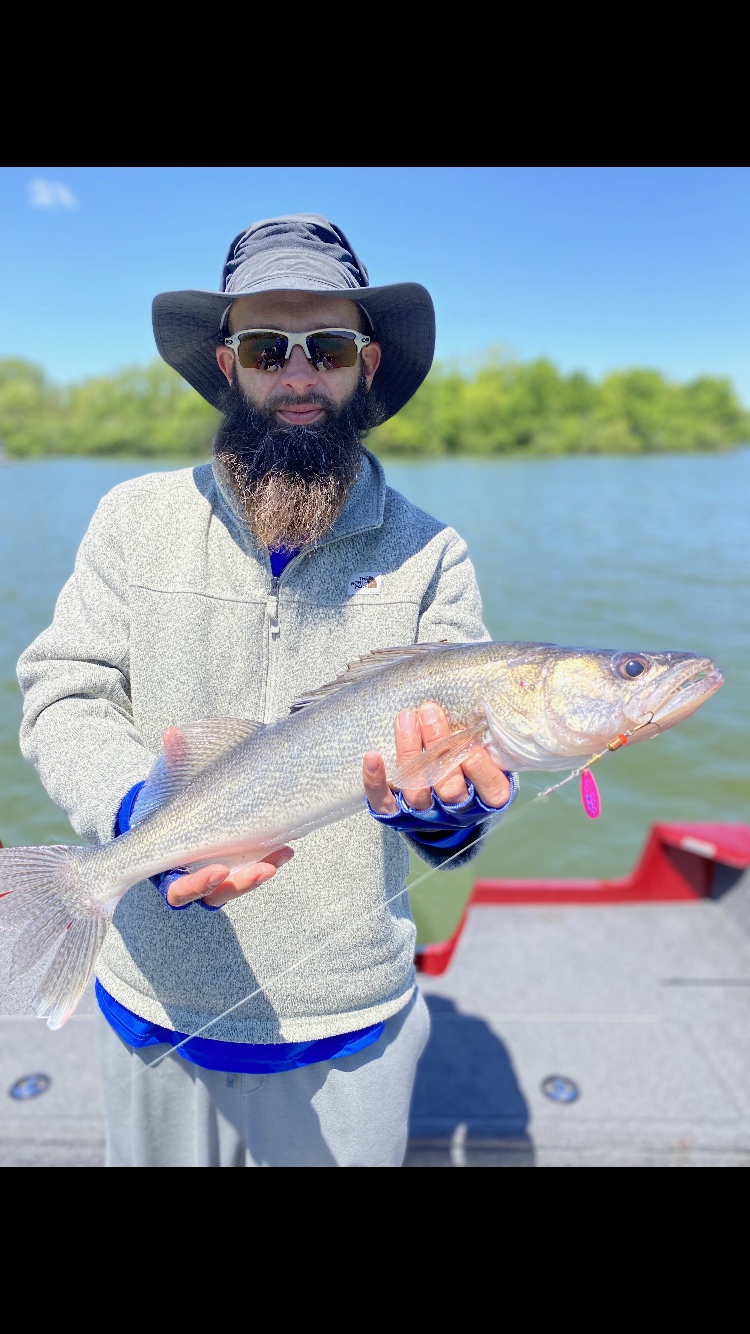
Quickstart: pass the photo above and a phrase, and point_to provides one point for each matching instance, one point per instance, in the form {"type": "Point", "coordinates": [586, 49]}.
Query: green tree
{"type": "Point", "coordinates": [498, 406]}
{"type": "Point", "coordinates": [148, 411]}
{"type": "Point", "coordinates": [511, 407]}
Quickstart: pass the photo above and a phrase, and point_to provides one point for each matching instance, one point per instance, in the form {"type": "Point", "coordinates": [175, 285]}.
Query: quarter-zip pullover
{"type": "Point", "coordinates": [173, 614]}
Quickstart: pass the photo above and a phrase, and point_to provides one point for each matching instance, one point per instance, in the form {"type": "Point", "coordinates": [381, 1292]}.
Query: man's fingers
{"type": "Point", "coordinates": [245, 878]}
{"type": "Point", "coordinates": [435, 726]}
{"type": "Point", "coordinates": [413, 733]}
{"type": "Point", "coordinates": [490, 783]}
{"type": "Point", "coordinates": [408, 744]}
{"type": "Point", "coordinates": [187, 888]}
{"type": "Point", "coordinates": [216, 885]}
{"type": "Point", "coordinates": [378, 793]}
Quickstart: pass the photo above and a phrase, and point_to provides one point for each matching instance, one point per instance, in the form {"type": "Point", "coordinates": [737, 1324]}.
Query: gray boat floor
{"type": "Point", "coordinates": [645, 1008]}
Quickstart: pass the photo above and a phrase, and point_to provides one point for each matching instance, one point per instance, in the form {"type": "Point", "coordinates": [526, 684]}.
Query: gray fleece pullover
{"type": "Point", "coordinates": [172, 615]}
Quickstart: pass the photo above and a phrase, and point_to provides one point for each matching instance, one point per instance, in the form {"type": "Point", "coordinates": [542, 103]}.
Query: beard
{"type": "Point", "coordinates": [292, 481]}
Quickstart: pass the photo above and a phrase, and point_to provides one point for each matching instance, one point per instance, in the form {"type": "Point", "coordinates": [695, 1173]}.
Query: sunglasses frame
{"type": "Point", "coordinates": [297, 340]}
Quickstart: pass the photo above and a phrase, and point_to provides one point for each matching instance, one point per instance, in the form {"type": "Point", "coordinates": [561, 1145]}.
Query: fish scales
{"type": "Point", "coordinates": [297, 767]}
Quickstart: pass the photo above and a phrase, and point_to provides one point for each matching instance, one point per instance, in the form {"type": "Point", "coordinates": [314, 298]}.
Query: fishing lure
{"type": "Point", "coordinates": [590, 795]}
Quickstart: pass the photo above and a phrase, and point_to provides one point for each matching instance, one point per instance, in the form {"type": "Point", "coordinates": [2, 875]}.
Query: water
{"type": "Point", "coordinates": [606, 552]}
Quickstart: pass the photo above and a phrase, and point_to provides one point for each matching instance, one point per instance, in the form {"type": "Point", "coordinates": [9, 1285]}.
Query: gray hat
{"type": "Point", "coordinates": [305, 253]}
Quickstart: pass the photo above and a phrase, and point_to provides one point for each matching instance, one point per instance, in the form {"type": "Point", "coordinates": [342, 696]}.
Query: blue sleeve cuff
{"type": "Point", "coordinates": [442, 816]}
{"type": "Point", "coordinates": [164, 879]}
{"type": "Point", "coordinates": [124, 814]}
{"type": "Point", "coordinates": [444, 827]}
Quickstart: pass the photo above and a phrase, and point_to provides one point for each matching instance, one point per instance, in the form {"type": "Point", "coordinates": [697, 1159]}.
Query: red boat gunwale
{"type": "Point", "coordinates": [678, 864]}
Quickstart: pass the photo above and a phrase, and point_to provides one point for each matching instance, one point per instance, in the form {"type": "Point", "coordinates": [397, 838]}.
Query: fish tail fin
{"type": "Point", "coordinates": [68, 975]}
{"type": "Point", "coordinates": [46, 893]}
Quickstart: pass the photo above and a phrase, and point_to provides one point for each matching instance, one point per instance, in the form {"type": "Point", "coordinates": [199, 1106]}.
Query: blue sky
{"type": "Point", "coordinates": [595, 267]}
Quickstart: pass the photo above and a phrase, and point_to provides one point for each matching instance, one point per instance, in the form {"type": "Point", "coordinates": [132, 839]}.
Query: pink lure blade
{"type": "Point", "coordinates": [590, 795]}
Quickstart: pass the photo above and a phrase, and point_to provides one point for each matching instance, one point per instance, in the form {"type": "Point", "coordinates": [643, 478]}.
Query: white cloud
{"type": "Point", "coordinates": [50, 194]}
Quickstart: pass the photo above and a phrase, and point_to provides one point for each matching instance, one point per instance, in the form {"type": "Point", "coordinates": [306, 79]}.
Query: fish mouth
{"type": "Point", "coordinates": [681, 692]}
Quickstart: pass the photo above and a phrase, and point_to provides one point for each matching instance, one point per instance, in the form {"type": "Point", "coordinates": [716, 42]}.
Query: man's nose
{"type": "Point", "coordinates": [298, 373]}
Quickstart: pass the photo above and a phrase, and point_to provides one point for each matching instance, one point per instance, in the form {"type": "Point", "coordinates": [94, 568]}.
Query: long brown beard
{"type": "Point", "coordinates": [292, 481]}
{"type": "Point", "coordinates": [285, 510]}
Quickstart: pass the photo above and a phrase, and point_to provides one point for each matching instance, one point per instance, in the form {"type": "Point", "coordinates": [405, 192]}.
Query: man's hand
{"type": "Point", "coordinates": [216, 885]}
{"type": "Point", "coordinates": [413, 733]}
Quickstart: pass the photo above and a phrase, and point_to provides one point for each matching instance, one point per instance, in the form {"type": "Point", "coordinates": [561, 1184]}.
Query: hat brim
{"type": "Point", "coordinates": [186, 325]}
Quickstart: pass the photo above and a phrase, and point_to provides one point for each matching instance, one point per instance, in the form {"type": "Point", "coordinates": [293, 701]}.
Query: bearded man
{"type": "Point", "coordinates": [230, 590]}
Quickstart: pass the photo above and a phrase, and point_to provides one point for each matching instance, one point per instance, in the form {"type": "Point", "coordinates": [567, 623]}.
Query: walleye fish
{"type": "Point", "coordinates": [231, 791]}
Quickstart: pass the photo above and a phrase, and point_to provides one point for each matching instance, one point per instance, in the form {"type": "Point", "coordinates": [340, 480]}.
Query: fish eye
{"type": "Point", "coordinates": [630, 665]}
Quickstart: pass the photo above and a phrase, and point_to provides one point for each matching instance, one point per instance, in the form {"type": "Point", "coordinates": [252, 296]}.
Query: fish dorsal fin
{"type": "Point", "coordinates": [369, 665]}
{"type": "Point", "coordinates": [188, 750]}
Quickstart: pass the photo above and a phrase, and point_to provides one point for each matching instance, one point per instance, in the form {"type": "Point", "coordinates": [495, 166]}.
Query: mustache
{"type": "Point", "coordinates": [277, 402]}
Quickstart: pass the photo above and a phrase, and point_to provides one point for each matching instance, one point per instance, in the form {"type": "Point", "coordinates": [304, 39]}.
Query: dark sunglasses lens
{"type": "Point", "coordinates": [262, 352]}
{"type": "Point", "coordinates": [331, 351]}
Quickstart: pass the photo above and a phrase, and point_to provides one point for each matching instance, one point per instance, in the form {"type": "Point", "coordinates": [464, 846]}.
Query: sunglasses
{"type": "Point", "coordinates": [268, 349]}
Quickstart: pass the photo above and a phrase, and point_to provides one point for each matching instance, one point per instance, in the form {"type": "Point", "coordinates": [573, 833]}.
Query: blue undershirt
{"type": "Point", "coordinates": [250, 1058]}
{"type": "Point", "coordinates": [280, 560]}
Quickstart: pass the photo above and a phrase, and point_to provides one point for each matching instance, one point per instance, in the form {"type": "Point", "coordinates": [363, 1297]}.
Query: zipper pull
{"type": "Point", "coordinates": [273, 608]}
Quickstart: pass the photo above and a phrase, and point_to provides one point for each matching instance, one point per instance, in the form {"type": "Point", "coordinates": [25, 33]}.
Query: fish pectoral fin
{"type": "Point", "coordinates": [368, 665]}
{"type": "Point", "coordinates": [188, 750]}
{"type": "Point", "coordinates": [440, 759]}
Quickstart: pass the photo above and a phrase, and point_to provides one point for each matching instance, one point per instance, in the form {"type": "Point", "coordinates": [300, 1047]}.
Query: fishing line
{"type": "Point", "coordinates": [619, 741]}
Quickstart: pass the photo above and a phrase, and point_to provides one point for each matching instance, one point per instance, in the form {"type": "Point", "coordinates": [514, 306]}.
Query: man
{"type": "Point", "coordinates": [230, 590]}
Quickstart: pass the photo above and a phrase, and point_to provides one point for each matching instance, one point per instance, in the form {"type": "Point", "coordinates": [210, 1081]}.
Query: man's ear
{"type": "Point", "coordinates": [225, 358]}
{"type": "Point", "coordinates": [371, 357]}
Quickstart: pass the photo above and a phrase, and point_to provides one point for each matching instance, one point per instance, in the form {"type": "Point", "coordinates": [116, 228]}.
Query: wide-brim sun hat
{"type": "Point", "coordinates": [303, 252]}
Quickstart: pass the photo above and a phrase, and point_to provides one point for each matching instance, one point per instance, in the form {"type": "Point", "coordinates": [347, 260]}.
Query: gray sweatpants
{"type": "Point", "coordinates": [352, 1112]}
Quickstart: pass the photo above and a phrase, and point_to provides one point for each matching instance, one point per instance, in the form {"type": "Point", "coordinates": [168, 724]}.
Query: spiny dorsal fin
{"type": "Point", "coordinates": [188, 750]}
{"type": "Point", "coordinates": [368, 665]}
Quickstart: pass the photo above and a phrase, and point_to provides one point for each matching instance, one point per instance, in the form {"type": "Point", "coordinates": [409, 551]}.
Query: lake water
{"type": "Point", "coordinates": [647, 552]}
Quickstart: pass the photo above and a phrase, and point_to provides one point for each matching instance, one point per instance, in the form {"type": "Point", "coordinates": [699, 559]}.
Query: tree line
{"type": "Point", "coordinates": [496, 407]}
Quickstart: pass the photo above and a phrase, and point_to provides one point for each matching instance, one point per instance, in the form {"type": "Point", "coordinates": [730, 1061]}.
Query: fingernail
{"type": "Point", "coordinates": [407, 721]}
{"type": "Point", "coordinates": [216, 878]}
{"type": "Point", "coordinates": [429, 713]}
{"type": "Point", "coordinates": [372, 764]}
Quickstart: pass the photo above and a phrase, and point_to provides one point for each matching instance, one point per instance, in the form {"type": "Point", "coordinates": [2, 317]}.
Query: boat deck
{"type": "Point", "coordinates": [644, 1008]}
